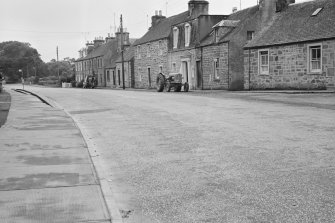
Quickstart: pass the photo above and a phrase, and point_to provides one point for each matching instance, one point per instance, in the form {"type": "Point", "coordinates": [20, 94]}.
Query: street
{"type": "Point", "coordinates": [225, 157]}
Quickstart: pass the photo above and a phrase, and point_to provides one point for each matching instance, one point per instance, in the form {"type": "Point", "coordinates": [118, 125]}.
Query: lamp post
{"type": "Point", "coordinates": [22, 79]}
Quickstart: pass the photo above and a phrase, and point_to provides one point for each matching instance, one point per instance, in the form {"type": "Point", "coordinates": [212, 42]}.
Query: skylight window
{"type": "Point", "coordinates": [316, 12]}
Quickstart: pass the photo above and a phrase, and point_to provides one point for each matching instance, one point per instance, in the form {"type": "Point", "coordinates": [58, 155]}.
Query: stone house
{"type": "Point", "coordinates": [296, 51]}
{"type": "Point", "coordinates": [113, 74]}
{"type": "Point", "coordinates": [93, 62]}
{"type": "Point", "coordinates": [100, 59]}
{"type": "Point", "coordinates": [151, 51]}
{"type": "Point", "coordinates": [128, 65]}
{"type": "Point", "coordinates": [184, 55]}
{"type": "Point", "coordinates": [222, 51]}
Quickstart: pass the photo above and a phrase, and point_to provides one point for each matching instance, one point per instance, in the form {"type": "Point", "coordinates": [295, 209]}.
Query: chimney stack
{"type": "Point", "coordinates": [157, 18]}
{"type": "Point", "coordinates": [98, 41]}
{"type": "Point", "coordinates": [126, 41]}
{"type": "Point", "coordinates": [197, 8]}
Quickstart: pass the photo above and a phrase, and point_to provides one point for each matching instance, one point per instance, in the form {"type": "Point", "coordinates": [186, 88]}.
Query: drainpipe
{"type": "Point", "coordinates": [249, 69]}
{"type": "Point", "coordinates": [202, 74]}
{"type": "Point", "coordinates": [228, 68]}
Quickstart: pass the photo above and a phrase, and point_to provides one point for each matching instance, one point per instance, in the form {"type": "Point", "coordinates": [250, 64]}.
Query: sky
{"type": "Point", "coordinates": [69, 24]}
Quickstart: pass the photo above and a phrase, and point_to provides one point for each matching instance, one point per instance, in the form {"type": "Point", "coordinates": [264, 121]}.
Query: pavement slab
{"type": "Point", "coordinates": [47, 173]}
{"type": "Point", "coordinates": [53, 205]}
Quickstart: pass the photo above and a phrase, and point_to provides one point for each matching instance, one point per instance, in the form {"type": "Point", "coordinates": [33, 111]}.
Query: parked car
{"type": "Point", "coordinates": [173, 80]}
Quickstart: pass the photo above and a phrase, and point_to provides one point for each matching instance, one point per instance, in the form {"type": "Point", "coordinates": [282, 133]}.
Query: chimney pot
{"type": "Point", "coordinates": [160, 12]}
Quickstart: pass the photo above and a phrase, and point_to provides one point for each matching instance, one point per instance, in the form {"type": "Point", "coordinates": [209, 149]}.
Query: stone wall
{"type": "Point", "coordinates": [209, 54]}
{"type": "Point", "coordinates": [288, 68]}
{"type": "Point", "coordinates": [158, 51]}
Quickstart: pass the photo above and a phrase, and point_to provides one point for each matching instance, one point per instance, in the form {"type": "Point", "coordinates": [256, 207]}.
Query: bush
{"type": "Point", "coordinates": [80, 84]}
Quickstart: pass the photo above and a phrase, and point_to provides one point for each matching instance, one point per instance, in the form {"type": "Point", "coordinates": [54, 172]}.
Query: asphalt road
{"type": "Point", "coordinates": [227, 157]}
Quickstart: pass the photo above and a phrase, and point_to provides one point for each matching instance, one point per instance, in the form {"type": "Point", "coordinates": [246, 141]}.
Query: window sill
{"type": "Point", "coordinates": [314, 72]}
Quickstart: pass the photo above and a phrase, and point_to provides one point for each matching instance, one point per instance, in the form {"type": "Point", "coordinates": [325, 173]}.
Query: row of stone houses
{"type": "Point", "coordinates": [277, 44]}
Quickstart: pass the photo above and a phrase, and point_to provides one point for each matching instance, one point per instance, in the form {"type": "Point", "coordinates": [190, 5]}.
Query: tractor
{"type": "Point", "coordinates": [173, 80]}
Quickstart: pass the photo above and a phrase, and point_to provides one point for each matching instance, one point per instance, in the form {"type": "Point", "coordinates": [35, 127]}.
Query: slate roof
{"type": "Point", "coordinates": [296, 24]}
{"type": "Point", "coordinates": [162, 29]}
{"type": "Point", "coordinates": [101, 50]}
{"type": "Point", "coordinates": [233, 26]}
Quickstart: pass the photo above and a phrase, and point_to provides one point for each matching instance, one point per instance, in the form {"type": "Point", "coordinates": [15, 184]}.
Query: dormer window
{"type": "Point", "coordinates": [175, 37]}
{"type": "Point", "coordinates": [250, 35]}
{"type": "Point", "coordinates": [187, 34]}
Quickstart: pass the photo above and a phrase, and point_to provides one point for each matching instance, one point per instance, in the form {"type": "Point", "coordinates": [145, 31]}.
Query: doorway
{"type": "Point", "coordinates": [149, 76]}
{"type": "Point", "coordinates": [199, 75]}
{"type": "Point", "coordinates": [185, 71]}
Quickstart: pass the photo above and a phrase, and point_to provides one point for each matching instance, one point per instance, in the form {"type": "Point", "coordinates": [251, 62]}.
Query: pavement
{"type": "Point", "coordinates": [47, 173]}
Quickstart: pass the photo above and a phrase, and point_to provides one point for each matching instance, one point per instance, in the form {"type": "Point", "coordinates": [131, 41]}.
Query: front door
{"type": "Point", "coordinates": [149, 77]}
{"type": "Point", "coordinates": [185, 71]}
{"type": "Point", "coordinates": [199, 75]}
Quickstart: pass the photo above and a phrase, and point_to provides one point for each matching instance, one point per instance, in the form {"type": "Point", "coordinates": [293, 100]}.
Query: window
{"type": "Point", "coordinates": [119, 76]}
{"type": "Point", "coordinates": [138, 52]}
{"type": "Point", "coordinates": [160, 48]}
{"type": "Point", "coordinates": [108, 76]}
{"type": "Point", "coordinates": [315, 61]}
{"type": "Point", "coordinates": [175, 37]}
{"type": "Point", "coordinates": [216, 35]}
{"type": "Point", "coordinates": [250, 35]}
{"type": "Point", "coordinates": [216, 69]}
{"type": "Point", "coordinates": [114, 81]}
{"type": "Point", "coordinates": [148, 50]}
{"type": "Point", "coordinates": [160, 69]}
{"type": "Point", "coordinates": [187, 34]}
{"type": "Point", "coordinates": [139, 74]}
{"type": "Point", "coordinates": [264, 62]}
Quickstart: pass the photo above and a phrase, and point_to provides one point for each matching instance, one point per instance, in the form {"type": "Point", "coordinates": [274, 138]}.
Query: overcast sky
{"type": "Point", "coordinates": [69, 24]}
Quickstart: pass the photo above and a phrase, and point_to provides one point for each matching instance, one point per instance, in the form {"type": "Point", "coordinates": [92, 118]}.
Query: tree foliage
{"type": "Point", "coordinates": [15, 56]}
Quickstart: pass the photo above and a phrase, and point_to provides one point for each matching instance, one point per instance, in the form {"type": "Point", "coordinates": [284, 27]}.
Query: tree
{"type": "Point", "coordinates": [16, 55]}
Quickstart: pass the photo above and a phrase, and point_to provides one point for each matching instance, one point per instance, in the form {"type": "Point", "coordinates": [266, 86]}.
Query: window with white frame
{"type": "Point", "coordinates": [138, 52]}
{"type": "Point", "coordinates": [315, 58]}
{"type": "Point", "coordinates": [216, 35]}
{"type": "Point", "coordinates": [216, 68]}
{"type": "Point", "coordinates": [264, 61]}
{"type": "Point", "coordinates": [148, 50]}
{"type": "Point", "coordinates": [187, 34]}
{"type": "Point", "coordinates": [175, 37]}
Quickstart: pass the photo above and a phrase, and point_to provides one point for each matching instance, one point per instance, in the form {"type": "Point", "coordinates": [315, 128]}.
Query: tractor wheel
{"type": "Point", "coordinates": [168, 87]}
{"type": "Point", "coordinates": [186, 87]}
{"type": "Point", "coordinates": [177, 88]}
{"type": "Point", "coordinates": [160, 85]}
{"type": "Point", "coordinates": [160, 82]}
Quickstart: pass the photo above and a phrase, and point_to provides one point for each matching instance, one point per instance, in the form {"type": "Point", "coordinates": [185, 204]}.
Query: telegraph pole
{"type": "Point", "coordinates": [57, 65]}
{"type": "Point", "coordinates": [122, 58]}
